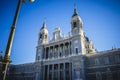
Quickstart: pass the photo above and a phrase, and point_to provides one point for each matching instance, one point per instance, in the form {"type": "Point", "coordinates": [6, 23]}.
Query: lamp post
{"type": "Point", "coordinates": [6, 59]}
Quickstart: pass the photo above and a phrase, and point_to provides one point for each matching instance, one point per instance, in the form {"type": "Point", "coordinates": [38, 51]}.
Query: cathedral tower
{"type": "Point", "coordinates": [42, 39]}
{"type": "Point", "coordinates": [43, 34]}
{"type": "Point", "coordinates": [76, 23]}
{"type": "Point", "coordinates": [81, 43]}
{"type": "Point", "coordinates": [77, 33]}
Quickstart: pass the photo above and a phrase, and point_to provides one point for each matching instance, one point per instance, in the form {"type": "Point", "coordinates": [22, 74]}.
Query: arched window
{"type": "Point", "coordinates": [97, 62]}
{"type": "Point", "coordinates": [40, 36]}
{"type": "Point", "coordinates": [74, 25]}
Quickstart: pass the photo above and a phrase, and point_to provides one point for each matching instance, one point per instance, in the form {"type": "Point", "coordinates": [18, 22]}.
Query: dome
{"type": "Point", "coordinates": [43, 31]}
{"type": "Point", "coordinates": [75, 16]}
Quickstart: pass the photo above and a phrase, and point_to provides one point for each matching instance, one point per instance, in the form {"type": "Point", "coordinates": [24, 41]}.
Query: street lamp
{"type": "Point", "coordinates": [6, 59]}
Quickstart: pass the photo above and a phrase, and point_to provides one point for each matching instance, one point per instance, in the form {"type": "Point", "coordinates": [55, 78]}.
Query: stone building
{"type": "Point", "coordinates": [103, 65]}
{"type": "Point", "coordinates": [68, 58]}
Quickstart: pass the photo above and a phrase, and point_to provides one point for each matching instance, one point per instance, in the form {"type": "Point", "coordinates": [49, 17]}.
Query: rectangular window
{"type": "Point", "coordinates": [76, 50]}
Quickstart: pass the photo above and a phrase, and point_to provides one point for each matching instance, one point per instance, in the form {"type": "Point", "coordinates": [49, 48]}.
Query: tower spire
{"type": "Point", "coordinates": [44, 24]}
{"type": "Point", "coordinates": [75, 11]}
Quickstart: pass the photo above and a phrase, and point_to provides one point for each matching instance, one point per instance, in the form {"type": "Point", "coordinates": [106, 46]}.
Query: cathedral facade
{"type": "Point", "coordinates": [59, 56]}
{"type": "Point", "coordinates": [68, 58]}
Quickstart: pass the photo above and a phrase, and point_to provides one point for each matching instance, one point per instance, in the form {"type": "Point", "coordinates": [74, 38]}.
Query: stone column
{"type": "Point", "coordinates": [63, 49]}
{"type": "Point", "coordinates": [48, 73]}
{"type": "Point", "coordinates": [49, 53]}
{"type": "Point", "coordinates": [53, 51]}
{"type": "Point", "coordinates": [58, 51]}
{"type": "Point", "coordinates": [70, 71]}
{"type": "Point", "coordinates": [44, 72]}
{"type": "Point", "coordinates": [64, 71]}
{"type": "Point", "coordinates": [69, 48]}
{"type": "Point", "coordinates": [58, 71]}
{"type": "Point", "coordinates": [45, 53]}
{"type": "Point", "coordinates": [41, 72]}
{"type": "Point", "coordinates": [53, 72]}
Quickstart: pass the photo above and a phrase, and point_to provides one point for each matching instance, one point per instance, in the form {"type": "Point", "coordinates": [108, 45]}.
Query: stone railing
{"type": "Point", "coordinates": [62, 57]}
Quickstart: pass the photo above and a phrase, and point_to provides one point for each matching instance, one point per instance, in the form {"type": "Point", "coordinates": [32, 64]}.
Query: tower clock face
{"type": "Point", "coordinates": [76, 42]}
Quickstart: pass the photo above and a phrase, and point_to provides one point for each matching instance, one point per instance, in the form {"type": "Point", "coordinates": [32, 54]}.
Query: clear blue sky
{"type": "Point", "coordinates": [101, 23]}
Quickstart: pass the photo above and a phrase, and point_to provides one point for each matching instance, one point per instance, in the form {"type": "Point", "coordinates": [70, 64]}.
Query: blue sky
{"type": "Point", "coordinates": [101, 23]}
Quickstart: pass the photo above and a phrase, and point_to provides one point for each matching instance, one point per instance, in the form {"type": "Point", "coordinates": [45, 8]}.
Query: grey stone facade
{"type": "Point", "coordinates": [103, 65]}
{"type": "Point", "coordinates": [68, 58]}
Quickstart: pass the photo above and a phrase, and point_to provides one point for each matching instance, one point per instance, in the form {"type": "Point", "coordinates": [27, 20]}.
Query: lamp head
{"type": "Point", "coordinates": [31, 0]}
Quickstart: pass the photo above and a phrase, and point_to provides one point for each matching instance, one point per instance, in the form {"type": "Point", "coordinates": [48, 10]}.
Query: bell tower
{"type": "Point", "coordinates": [78, 40]}
{"type": "Point", "coordinates": [43, 34]}
{"type": "Point", "coordinates": [42, 39]}
{"type": "Point", "coordinates": [76, 23]}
